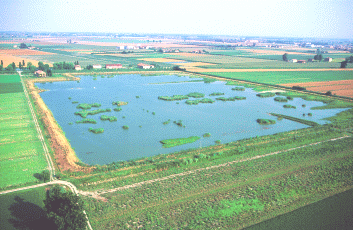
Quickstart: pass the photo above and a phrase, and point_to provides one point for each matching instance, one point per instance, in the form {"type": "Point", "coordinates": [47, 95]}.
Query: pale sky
{"type": "Point", "coordinates": [285, 18]}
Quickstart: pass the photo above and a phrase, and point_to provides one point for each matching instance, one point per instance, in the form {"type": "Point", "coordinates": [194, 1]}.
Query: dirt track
{"type": "Point", "coordinates": [65, 156]}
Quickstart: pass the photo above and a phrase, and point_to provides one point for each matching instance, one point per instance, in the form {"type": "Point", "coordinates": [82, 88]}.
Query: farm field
{"type": "Point", "coordinates": [233, 196]}
{"type": "Point", "coordinates": [23, 210]}
{"type": "Point", "coordinates": [22, 154]}
{"type": "Point", "coordinates": [338, 82]}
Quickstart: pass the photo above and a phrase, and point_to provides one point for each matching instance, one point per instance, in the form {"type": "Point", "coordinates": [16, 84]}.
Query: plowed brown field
{"type": "Point", "coordinates": [341, 88]}
{"type": "Point", "coordinates": [23, 52]}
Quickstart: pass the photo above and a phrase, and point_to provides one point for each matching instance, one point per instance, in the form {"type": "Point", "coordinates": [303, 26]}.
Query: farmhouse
{"type": "Point", "coordinates": [293, 60]}
{"type": "Point", "coordinates": [113, 66]}
{"type": "Point", "coordinates": [328, 59]}
{"type": "Point", "coordinates": [301, 61]}
{"type": "Point", "coordinates": [145, 66]}
{"type": "Point", "coordinates": [97, 66]}
{"type": "Point", "coordinates": [78, 67]}
{"type": "Point", "coordinates": [40, 73]}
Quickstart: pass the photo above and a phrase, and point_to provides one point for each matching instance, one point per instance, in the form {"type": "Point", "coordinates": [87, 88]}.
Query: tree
{"type": "Point", "coordinates": [9, 68]}
{"type": "Point", "coordinates": [23, 46]}
{"type": "Point", "coordinates": [2, 63]}
{"type": "Point", "coordinates": [13, 65]}
{"type": "Point", "coordinates": [285, 57]}
{"type": "Point", "coordinates": [1, 67]}
{"type": "Point", "coordinates": [328, 93]}
{"type": "Point", "coordinates": [45, 175]}
{"type": "Point", "coordinates": [349, 59]}
{"type": "Point", "coordinates": [65, 209]}
{"type": "Point", "coordinates": [49, 73]}
{"type": "Point", "coordinates": [344, 64]}
{"type": "Point", "coordinates": [41, 66]}
{"type": "Point", "coordinates": [89, 67]}
{"type": "Point", "coordinates": [23, 63]}
{"type": "Point", "coordinates": [20, 65]}
{"type": "Point", "coordinates": [318, 57]}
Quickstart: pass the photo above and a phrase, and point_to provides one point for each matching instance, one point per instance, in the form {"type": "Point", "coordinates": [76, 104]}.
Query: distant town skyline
{"type": "Point", "coordinates": [272, 18]}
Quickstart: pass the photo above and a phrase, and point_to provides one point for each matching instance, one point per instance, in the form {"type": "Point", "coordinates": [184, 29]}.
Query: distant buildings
{"type": "Point", "coordinates": [113, 66]}
{"type": "Point", "coordinates": [78, 67]}
{"type": "Point", "coordinates": [40, 73]}
{"type": "Point", "coordinates": [145, 66]}
{"type": "Point", "coordinates": [301, 61]}
{"type": "Point", "coordinates": [97, 66]}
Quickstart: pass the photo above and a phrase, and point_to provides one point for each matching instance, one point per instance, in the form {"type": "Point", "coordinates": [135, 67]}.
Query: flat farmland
{"type": "Point", "coordinates": [287, 77]}
{"type": "Point", "coordinates": [341, 88]}
{"type": "Point", "coordinates": [22, 154]}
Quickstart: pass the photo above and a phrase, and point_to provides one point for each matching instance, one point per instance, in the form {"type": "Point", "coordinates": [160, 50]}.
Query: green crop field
{"type": "Point", "coordinates": [21, 154]}
{"type": "Point", "coordinates": [284, 77]}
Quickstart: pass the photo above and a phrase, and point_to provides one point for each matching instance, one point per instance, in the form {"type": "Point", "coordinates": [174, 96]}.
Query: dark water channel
{"type": "Point", "coordinates": [226, 121]}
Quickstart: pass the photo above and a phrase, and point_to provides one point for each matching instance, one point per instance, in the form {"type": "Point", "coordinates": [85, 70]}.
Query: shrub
{"type": "Point", "coordinates": [298, 87]}
{"type": "Point", "coordinates": [216, 94]}
{"type": "Point", "coordinates": [266, 121]}
{"type": "Point", "coordinates": [239, 88]}
{"type": "Point", "coordinates": [96, 131]}
{"type": "Point", "coordinates": [289, 107]}
{"type": "Point", "coordinates": [281, 99]}
{"type": "Point", "coordinates": [268, 94]}
{"type": "Point", "coordinates": [289, 98]}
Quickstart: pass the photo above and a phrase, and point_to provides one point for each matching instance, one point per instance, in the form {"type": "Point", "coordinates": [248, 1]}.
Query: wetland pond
{"type": "Point", "coordinates": [145, 114]}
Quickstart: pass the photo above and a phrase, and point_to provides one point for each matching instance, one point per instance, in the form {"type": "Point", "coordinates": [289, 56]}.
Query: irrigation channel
{"type": "Point", "coordinates": [39, 131]}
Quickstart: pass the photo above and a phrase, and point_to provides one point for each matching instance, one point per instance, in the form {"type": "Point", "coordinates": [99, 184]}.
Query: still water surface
{"type": "Point", "coordinates": [226, 121]}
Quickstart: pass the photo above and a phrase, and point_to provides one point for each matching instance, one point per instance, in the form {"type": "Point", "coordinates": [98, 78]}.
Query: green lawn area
{"type": "Point", "coordinates": [23, 210]}
{"type": "Point", "coordinates": [284, 77]}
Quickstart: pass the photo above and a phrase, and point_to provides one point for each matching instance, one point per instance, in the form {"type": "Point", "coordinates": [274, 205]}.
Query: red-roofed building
{"type": "Point", "coordinates": [40, 73]}
{"type": "Point", "coordinates": [113, 66]}
{"type": "Point", "coordinates": [78, 67]}
{"type": "Point", "coordinates": [145, 66]}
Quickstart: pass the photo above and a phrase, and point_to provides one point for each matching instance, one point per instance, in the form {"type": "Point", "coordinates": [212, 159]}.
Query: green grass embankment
{"type": "Point", "coordinates": [299, 120]}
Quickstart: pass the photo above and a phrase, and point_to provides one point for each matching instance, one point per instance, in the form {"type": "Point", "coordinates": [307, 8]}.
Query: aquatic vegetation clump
{"type": "Point", "coordinates": [310, 114]}
{"type": "Point", "coordinates": [231, 98]}
{"type": "Point", "coordinates": [195, 102]}
{"type": "Point", "coordinates": [117, 109]}
{"type": "Point", "coordinates": [289, 98]}
{"type": "Point", "coordinates": [239, 88]}
{"type": "Point", "coordinates": [110, 118]}
{"type": "Point", "coordinates": [74, 102]}
{"type": "Point", "coordinates": [179, 123]}
{"type": "Point", "coordinates": [207, 135]}
{"type": "Point", "coordinates": [87, 120]}
{"type": "Point", "coordinates": [127, 127]}
{"type": "Point", "coordinates": [305, 122]}
{"type": "Point", "coordinates": [268, 94]}
{"type": "Point", "coordinates": [266, 121]}
{"type": "Point", "coordinates": [153, 113]}
{"type": "Point", "coordinates": [173, 98]}
{"type": "Point", "coordinates": [119, 103]}
{"type": "Point", "coordinates": [168, 143]}
{"type": "Point", "coordinates": [289, 107]}
{"type": "Point", "coordinates": [96, 131]}
{"type": "Point", "coordinates": [85, 113]}
{"type": "Point", "coordinates": [87, 106]}
{"type": "Point", "coordinates": [196, 95]}
{"type": "Point", "coordinates": [216, 94]}
{"type": "Point", "coordinates": [281, 99]}
{"type": "Point", "coordinates": [166, 122]}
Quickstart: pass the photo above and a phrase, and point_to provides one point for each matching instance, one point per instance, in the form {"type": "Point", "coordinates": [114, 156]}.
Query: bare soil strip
{"type": "Point", "coordinates": [100, 192]}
